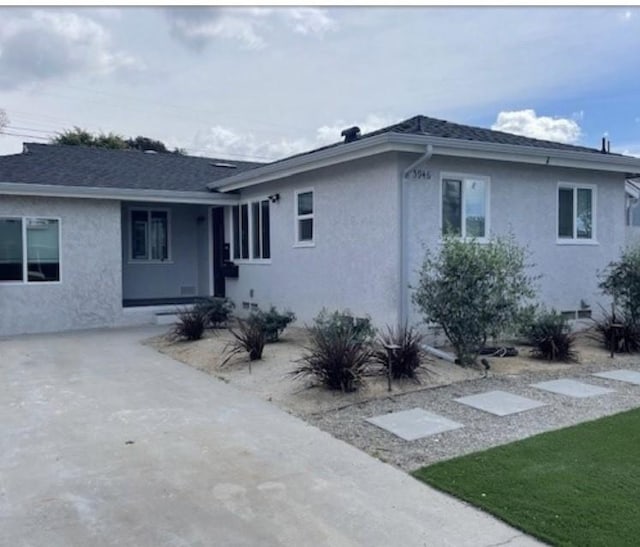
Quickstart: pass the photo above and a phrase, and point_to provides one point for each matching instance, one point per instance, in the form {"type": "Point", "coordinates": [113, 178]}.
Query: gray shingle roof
{"type": "Point", "coordinates": [103, 168]}
{"type": "Point", "coordinates": [423, 125]}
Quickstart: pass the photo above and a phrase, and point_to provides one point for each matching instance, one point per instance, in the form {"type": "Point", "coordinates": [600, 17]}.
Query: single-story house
{"type": "Point", "coordinates": [92, 237]}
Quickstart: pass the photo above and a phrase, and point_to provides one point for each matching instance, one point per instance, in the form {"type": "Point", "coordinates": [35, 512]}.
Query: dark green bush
{"type": "Point", "coordinates": [624, 337]}
{"type": "Point", "coordinates": [273, 322]}
{"type": "Point", "coordinates": [346, 322]}
{"type": "Point", "coordinates": [249, 336]}
{"type": "Point", "coordinates": [339, 352]}
{"type": "Point", "coordinates": [551, 337]}
{"type": "Point", "coordinates": [217, 311]}
{"type": "Point", "coordinates": [190, 324]}
{"type": "Point", "coordinates": [474, 291]}
{"type": "Point", "coordinates": [405, 361]}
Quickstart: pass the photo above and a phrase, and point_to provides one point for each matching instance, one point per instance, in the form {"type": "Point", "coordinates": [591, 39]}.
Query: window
{"type": "Point", "coordinates": [576, 212]}
{"type": "Point", "coordinates": [149, 235]}
{"type": "Point", "coordinates": [251, 230]}
{"type": "Point", "coordinates": [29, 249]}
{"type": "Point", "coordinates": [464, 206]}
{"type": "Point", "coordinates": [304, 217]}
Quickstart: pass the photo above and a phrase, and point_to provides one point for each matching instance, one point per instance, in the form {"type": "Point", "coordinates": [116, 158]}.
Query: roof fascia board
{"type": "Point", "coordinates": [299, 164]}
{"type": "Point", "coordinates": [387, 142]}
{"type": "Point", "coordinates": [122, 194]}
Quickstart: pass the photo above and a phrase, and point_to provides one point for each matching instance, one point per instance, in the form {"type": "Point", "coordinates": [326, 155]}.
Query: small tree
{"type": "Point", "coordinates": [622, 283]}
{"type": "Point", "coordinates": [473, 291]}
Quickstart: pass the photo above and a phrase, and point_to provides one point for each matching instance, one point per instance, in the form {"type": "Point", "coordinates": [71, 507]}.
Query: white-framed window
{"type": "Point", "coordinates": [251, 230]}
{"type": "Point", "coordinates": [465, 205]}
{"type": "Point", "coordinates": [576, 213]}
{"type": "Point", "coordinates": [29, 249]}
{"type": "Point", "coordinates": [304, 217]}
{"type": "Point", "coordinates": [150, 231]}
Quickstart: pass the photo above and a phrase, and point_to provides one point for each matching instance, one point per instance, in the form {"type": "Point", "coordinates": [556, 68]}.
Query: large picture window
{"type": "Point", "coordinates": [251, 230]}
{"type": "Point", "coordinates": [576, 211]}
{"type": "Point", "coordinates": [29, 249]}
{"type": "Point", "coordinates": [150, 235]}
{"type": "Point", "coordinates": [464, 206]}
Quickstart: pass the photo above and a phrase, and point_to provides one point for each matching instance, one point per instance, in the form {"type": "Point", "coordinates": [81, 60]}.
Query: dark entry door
{"type": "Point", "coordinates": [217, 225]}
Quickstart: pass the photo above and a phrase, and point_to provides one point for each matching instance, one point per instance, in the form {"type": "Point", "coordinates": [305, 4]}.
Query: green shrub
{"type": "Point", "coordinates": [190, 324]}
{"type": "Point", "coordinates": [622, 282]}
{"type": "Point", "coordinates": [273, 322]}
{"type": "Point", "coordinates": [345, 321]}
{"type": "Point", "coordinates": [551, 337]}
{"type": "Point", "coordinates": [339, 351]}
{"type": "Point", "coordinates": [407, 359]}
{"type": "Point", "coordinates": [249, 336]}
{"type": "Point", "coordinates": [217, 311]}
{"type": "Point", "coordinates": [624, 338]}
{"type": "Point", "coordinates": [473, 291]}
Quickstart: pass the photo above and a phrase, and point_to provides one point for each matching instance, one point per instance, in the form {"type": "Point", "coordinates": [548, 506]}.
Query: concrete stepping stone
{"type": "Point", "coordinates": [573, 388]}
{"type": "Point", "coordinates": [500, 403]}
{"type": "Point", "coordinates": [413, 424]}
{"type": "Point", "coordinates": [622, 375]}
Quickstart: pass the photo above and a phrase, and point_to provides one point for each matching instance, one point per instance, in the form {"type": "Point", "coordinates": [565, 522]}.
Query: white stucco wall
{"type": "Point", "coordinates": [355, 261]}
{"type": "Point", "coordinates": [89, 292]}
{"type": "Point", "coordinates": [523, 201]}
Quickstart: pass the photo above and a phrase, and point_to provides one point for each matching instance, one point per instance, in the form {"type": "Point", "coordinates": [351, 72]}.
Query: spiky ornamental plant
{"type": "Point", "coordinates": [405, 361]}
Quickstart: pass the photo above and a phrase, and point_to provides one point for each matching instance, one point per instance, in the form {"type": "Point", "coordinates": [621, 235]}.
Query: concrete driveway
{"type": "Point", "coordinates": [103, 441]}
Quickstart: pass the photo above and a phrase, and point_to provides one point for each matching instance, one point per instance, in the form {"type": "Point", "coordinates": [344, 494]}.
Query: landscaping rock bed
{"type": "Point", "coordinates": [344, 415]}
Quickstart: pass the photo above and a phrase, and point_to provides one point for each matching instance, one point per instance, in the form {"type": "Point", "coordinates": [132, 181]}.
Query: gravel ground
{"type": "Point", "coordinates": [481, 430]}
{"type": "Point", "coordinates": [343, 415]}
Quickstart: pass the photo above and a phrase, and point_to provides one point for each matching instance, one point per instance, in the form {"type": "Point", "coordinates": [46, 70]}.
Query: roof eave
{"type": "Point", "coordinates": [121, 194]}
{"type": "Point", "coordinates": [396, 142]}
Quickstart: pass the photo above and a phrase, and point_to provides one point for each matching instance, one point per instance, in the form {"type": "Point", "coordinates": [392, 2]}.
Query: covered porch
{"type": "Point", "coordinates": [172, 253]}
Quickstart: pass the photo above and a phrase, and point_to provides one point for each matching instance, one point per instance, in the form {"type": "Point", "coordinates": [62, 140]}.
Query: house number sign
{"type": "Point", "coordinates": [419, 174]}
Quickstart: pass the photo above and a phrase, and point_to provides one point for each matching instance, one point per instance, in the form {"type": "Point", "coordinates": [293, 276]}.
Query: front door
{"type": "Point", "coordinates": [217, 225]}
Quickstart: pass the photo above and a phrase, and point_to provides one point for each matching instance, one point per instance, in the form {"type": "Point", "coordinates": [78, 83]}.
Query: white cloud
{"type": "Point", "coordinates": [528, 124]}
{"type": "Point", "coordinates": [41, 45]}
{"type": "Point", "coordinates": [309, 20]}
{"type": "Point", "coordinates": [223, 142]}
{"type": "Point", "coordinates": [629, 149]}
{"type": "Point", "coordinates": [196, 26]}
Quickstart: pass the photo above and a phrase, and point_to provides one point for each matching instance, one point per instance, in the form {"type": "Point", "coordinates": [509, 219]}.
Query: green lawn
{"type": "Point", "coordinates": [576, 486]}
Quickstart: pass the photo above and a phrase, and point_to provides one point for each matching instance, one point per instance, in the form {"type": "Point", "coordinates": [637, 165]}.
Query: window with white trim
{"type": "Point", "coordinates": [304, 217]}
{"type": "Point", "coordinates": [576, 212]}
{"type": "Point", "coordinates": [464, 206]}
{"type": "Point", "coordinates": [149, 235]}
{"type": "Point", "coordinates": [29, 249]}
{"type": "Point", "coordinates": [251, 229]}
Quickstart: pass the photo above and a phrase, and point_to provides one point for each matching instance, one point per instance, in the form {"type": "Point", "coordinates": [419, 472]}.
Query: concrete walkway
{"type": "Point", "coordinates": [103, 441]}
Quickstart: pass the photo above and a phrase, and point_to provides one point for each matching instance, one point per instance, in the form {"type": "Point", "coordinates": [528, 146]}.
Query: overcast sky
{"type": "Point", "coordinates": [258, 83]}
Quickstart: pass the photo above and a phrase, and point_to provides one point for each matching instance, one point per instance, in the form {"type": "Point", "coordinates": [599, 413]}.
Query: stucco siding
{"type": "Point", "coordinates": [523, 202]}
{"type": "Point", "coordinates": [186, 273]}
{"type": "Point", "coordinates": [89, 292]}
{"type": "Point", "coordinates": [354, 263]}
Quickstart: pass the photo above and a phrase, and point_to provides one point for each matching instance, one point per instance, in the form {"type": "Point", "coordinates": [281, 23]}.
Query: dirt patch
{"type": "Point", "coordinates": [270, 378]}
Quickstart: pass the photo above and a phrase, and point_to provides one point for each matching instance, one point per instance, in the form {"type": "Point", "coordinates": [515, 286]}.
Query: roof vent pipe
{"type": "Point", "coordinates": [603, 149]}
{"type": "Point", "coordinates": [351, 134]}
